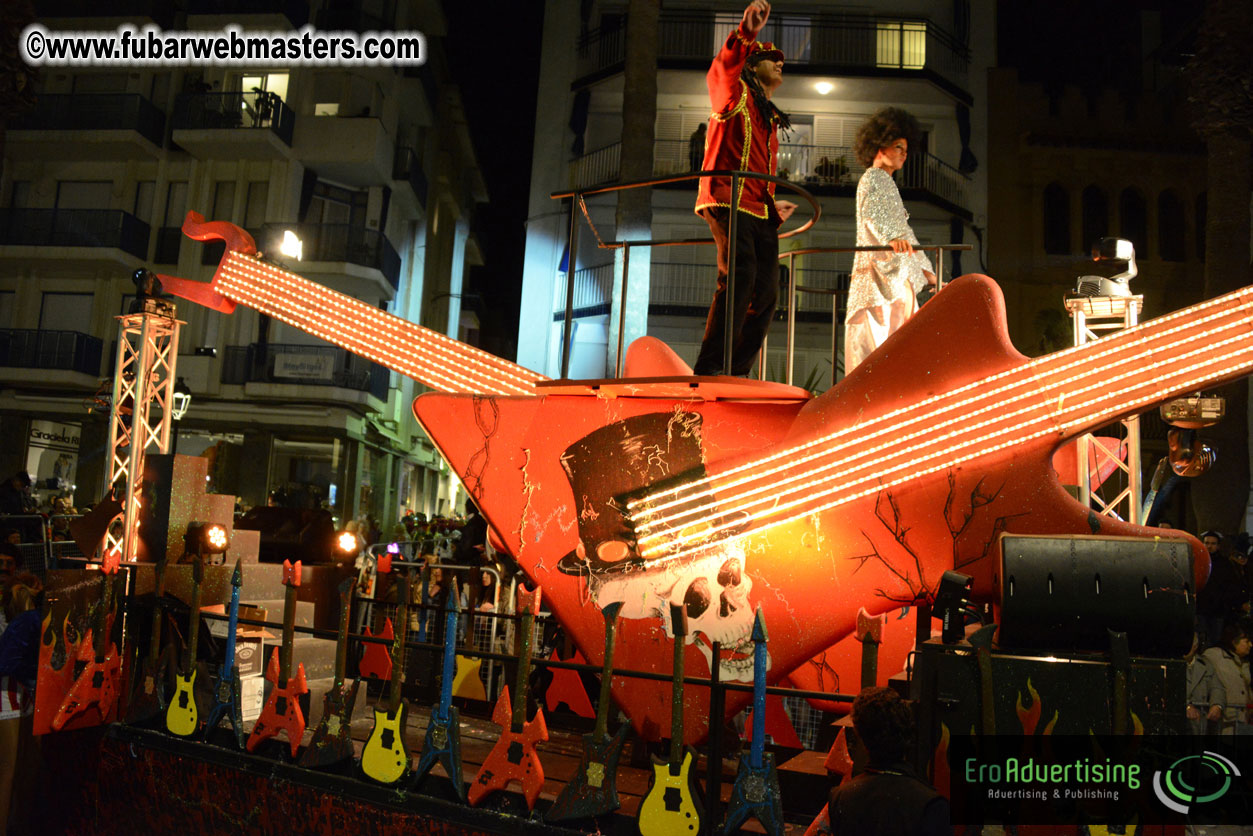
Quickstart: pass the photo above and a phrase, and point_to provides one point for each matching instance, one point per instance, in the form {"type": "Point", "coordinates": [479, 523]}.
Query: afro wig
{"type": "Point", "coordinates": [881, 130]}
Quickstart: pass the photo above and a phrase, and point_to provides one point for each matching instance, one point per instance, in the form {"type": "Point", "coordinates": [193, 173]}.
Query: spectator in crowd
{"type": "Point", "coordinates": [19, 658]}
{"type": "Point", "coordinates": [1226, 593]}
{"type": "Point", "coordinates": [1229, 690]}
{"type": "Point", "coordinates": [888, 798]}
{"type": "Point", "coordinates": [1200, 678]}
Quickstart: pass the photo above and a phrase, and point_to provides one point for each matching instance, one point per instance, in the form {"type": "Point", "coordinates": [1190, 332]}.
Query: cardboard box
{"type": "Point", "coordinates": [248, 638]}
{"type": "Point", "coordinates": [252, 697]}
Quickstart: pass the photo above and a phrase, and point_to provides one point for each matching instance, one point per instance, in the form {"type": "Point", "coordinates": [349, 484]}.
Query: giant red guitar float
{"type": "Point", "coordinates": [727, 495]}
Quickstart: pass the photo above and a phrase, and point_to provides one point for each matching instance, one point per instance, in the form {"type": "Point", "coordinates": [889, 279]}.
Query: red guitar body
{"type": "Point", "coordinates": [376, 661]}
{"type": "Point", "coordinates": [513, 758]}
{"type": "Point", "coordinates": [938, 443]}
{"type": "Point", "coordinates": [96, 685]}
{"type": "Point", "coordinates": [282, 708]}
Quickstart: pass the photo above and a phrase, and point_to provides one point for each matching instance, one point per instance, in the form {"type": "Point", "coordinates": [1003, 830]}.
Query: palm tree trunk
{"type": "Point", "coordinates": [1220, 498]}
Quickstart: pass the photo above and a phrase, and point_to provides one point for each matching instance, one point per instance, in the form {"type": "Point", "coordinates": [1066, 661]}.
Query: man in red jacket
{"type": "Point", "coordinates": [742, 135]}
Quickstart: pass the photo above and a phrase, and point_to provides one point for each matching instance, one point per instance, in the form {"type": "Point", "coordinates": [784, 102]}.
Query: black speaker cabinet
{"type": "Point", "coordinates": [1065, 593]}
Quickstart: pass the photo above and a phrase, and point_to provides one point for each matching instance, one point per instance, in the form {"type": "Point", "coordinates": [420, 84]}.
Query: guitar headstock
{"type": "Point", "coordinates": [678, 620]}
{"type": "Point", "coordinates": [611, 612]}
{"type": "Point", "coordinates": [197, 570]}
{"type": "Point", "coordinates": [237, 577]}
{"type": "Point", "coordinates": [345, 590]}
{"type": "Point", "coordinates": [291, 573]}
{"type": "Point", "coordinates": [759, 627]}
{"type": "Point", "coordinates": [529, 600]}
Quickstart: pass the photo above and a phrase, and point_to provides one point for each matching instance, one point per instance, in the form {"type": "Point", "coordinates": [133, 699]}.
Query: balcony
{"type": "Point", "coordinates": [303, 365]}
{"type": "Point", "coordinates": [825, 170]}
{"type": "Point", "coordinates": [407, 168]}
{"type": "Point", "coordinates": [829, 44]}
{"type": "Point", "coordinates": [70, 351]}
{"type": "Point", "coordinates": [58, 234]}
{"type": "Point", "coordinates": [352, 150]}
{"type": "Point", "coordinates": [329, 248]}
{"type": "Point", "coordinates": [249, 126]}
{"type": "Point", "coordinates": [89, 126]}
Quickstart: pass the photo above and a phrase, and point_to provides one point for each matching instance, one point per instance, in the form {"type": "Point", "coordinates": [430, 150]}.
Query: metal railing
{"type": "Point", "coordinates": [578, 198]}
{"type": "Point", "coordinates": [306, 365]}
{"type": "Point", "coordinates": [94, 111]}
{"type": "Point", "coordinates": [30, 348]}
{"type": "Point", "coordinates": [839, 298]}
{"type": "Point", "coordinates": [847, 41]}
{"type": "Point", "coordinates": [256, 109]}
{"type": "Point", "coordinates": [593, 287]}
{"type": "Point", "coordinates": [689, 285]}
{"type": "Point", "coordinates": [811, 166]}
{"type": "Point", "coordinates": [43, 541]}
{"type": "Point", "coordinates": [74, 228]}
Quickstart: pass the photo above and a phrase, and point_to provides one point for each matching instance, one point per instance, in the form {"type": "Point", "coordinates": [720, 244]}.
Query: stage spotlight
{"type": "Point", "coordinates": [347, 544]}
{"type": "Point", "coordinates": [1105, 251]}
{"type": "Point", "coordinates": [207, 538]}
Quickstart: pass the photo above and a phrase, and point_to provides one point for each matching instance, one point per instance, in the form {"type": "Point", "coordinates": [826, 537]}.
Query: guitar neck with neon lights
{"type": "Point", "coordinates": [1057, 396]}
{"type": "Point", "coordinates": [402, 346]}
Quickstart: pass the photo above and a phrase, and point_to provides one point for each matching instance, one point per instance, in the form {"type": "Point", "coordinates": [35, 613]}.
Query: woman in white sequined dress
{"type": "Point", "coordinates": [883, 285]}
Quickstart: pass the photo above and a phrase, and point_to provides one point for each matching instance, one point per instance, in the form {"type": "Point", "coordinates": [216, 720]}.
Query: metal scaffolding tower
{"type": "Point", "coordinates": [1095, 317]}
{"type": "Point", "coordinates": [139, 423]}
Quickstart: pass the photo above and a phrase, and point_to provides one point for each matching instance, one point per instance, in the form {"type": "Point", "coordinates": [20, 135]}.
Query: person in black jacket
{"type": "Point", "coordinates": [888, 798]}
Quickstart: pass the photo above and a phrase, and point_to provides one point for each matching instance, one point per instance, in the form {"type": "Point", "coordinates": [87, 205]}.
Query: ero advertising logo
{"type": "Point", "coordinates": [1194, 779]}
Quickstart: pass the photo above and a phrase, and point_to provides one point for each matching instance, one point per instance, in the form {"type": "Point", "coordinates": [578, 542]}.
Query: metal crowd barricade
{"type": "Point", "coordinates": [60, 542]}
{"type": "Point", "coordinates": [32, 542]}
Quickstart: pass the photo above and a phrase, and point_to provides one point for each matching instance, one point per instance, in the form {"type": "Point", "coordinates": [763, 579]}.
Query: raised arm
{"type": "Point", "coordinates": [724, 73]}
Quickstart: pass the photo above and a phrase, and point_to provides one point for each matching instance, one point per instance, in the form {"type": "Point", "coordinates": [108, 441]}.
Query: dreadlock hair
{"type": "Point", "coordinates": [881, 130]}
{"type": "Point", "coordinates": [766, 107]}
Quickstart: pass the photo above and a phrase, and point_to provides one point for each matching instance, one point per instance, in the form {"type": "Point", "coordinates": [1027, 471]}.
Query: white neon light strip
{"type": "Point", "coordinates": [897, 471]}
{"type": "Point", "coordinates": [787, 458]}
{"type": "Point", "coordinates": [412, 350]}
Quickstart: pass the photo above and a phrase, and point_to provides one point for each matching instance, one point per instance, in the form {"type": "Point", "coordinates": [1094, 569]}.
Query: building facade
{"type": "Point", "coordinates": [841, 65]}
{"type": "Point", "coordinates": [370, 166]}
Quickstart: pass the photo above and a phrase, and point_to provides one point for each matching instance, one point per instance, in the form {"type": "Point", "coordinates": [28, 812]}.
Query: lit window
{"type": "Point", "coordinates": [901, 43]}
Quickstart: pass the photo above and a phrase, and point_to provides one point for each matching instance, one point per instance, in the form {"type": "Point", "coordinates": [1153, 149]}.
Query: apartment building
{"type": "Point", "coordinates": [842, 63]}
{"type": "Point", "coordinates": [371, 167]}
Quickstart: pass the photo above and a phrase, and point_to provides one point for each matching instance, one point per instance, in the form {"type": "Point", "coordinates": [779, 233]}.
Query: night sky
{"type": "Point", "coordinates": [494, 57]}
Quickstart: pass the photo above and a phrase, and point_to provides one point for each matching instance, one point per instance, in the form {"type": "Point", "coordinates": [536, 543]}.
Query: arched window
{"type": "Point", "coordinates": [1133, 220]}
{"type": "Point", "coordinates": [1056, 220]}
{"type": "Point", "coordinates": [1202, 216]}
{"type": "Point", "coordinates": [1170, 224]}
{"type": "Point", "coordinates": [1095, 216]}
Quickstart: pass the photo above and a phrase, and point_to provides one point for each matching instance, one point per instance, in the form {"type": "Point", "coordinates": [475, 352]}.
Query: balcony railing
{"type": "Point", "coordinates": [809, 165]}
{"type": "Point", "coordinates": [407, 167]}
{"type": "Point", "coordinates": [593, 288]}
{"type": "Point", "coordinates": [74, 228]}
{"type": "Point", "coordinates": [27, 348]}
{"type": "Point", "coordinates": [836, 41]}
{"type": "Point", "coordinates": [303, 365]}
{"type": "Point", "coordinates": [343, 242]}
{"type": "Point", "coordinates": [256, 109]}
{"type": "Point", "coordinates": [93, 112]}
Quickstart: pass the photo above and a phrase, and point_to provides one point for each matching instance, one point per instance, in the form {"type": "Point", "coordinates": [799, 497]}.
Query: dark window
{"type": "Point", "coordinates": [1056, 220]}
{"type": "Point", "coordinates": [1202, 215]}
{"type": "Point", "coordinates": [1170, 226]}
{"type": "Point", "coordinates": [1095, 215]}
{"type": "Point", "coordinates": [1133, 220]}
